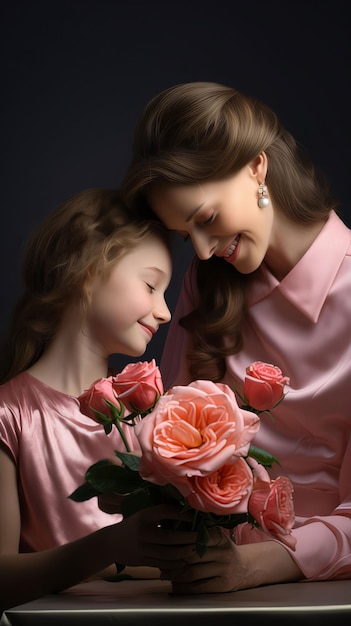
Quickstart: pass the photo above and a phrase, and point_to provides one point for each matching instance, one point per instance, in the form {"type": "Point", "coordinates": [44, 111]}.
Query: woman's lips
{"type": "Point", "coordinates": [229, 252]}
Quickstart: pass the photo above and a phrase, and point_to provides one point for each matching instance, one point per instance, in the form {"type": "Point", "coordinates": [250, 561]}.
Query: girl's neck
{"type": "Point", "coordinates": [70, 363]}
{"type": "Point", "coordinates": [69, 378]}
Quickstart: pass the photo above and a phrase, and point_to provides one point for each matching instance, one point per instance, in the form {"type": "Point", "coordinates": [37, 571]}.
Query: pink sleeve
{"type": "Point", "coordinates": [173, 364]}
{"type": "Point", "coordinates": [9, 430]}
{"type": "Point", "coordinates": [323, 549]}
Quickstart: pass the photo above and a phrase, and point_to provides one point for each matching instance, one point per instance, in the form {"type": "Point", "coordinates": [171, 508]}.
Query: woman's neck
{"type": "Point", "coordinates": [289, 242]}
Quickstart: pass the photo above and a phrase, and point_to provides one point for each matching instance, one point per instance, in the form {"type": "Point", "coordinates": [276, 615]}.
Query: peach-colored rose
{"type": "Point", "coordinates": [93, 400]}
{"type": "Point", "coordinates": [271, 505]}
{"type": "Point", "coordinates": [223, 492]}
{"type": "Point", "coordinates": [193, 431]}
{"type": "Point", "coordinates": [139, 385]}
{"type": "Point", "coordinates": [264, 385]}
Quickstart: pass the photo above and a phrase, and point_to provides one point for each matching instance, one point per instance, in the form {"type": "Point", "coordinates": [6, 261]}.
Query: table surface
{"type": "Point", "coordinates": [138, 602]}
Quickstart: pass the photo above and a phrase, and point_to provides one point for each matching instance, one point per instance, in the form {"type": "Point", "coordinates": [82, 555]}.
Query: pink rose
{"type": "Point", "coordinates": [193, 431]}
{"type": "Point", "coordinates": [271, 505]}
{"type": "Point", "coordinates": [223, 492]}
{"type": "Point", "coordinates": [139, 385]}
{"type": "Point", "coordinates": [93, 401]}
{"type": "Point", "coordinates": [264, 385]}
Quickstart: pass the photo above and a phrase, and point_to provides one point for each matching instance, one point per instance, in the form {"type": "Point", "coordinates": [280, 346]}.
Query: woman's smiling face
{"type": "Point", "coordinates": [221, 217]}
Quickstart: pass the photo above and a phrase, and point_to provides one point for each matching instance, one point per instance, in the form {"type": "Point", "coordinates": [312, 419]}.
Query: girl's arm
{"type": "Point", "coordinates": [26, 576]}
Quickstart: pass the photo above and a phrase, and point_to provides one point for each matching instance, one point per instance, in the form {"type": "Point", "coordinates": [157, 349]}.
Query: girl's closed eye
{"type": "Point", "coordinates": [150, 288]}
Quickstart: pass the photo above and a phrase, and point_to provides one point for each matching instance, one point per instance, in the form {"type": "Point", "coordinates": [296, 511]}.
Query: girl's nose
{"type": "Point", "coordinates": [162, 312]}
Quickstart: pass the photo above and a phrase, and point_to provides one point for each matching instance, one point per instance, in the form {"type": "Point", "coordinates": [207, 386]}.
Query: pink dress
{"type": "Point", "coordinates": [303, 325]}
{"type": "Point", "coordinates": [53, 444]}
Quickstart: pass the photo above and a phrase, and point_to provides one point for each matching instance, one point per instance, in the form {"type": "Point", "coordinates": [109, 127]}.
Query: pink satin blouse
{"type": "Point", "coordinates": [53, 444]}
{"type": "Point", "coordinates": [303, 325]}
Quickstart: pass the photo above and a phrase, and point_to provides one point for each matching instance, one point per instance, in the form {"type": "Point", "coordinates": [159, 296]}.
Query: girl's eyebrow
{"type": "Point", "coordinates": [193, 212]}
{"type": "Point", "coordinates": [158, 270]}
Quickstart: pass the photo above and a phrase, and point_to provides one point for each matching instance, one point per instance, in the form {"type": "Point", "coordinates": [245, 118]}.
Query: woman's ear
{"type": "Point", "coordinates": [259, 167]}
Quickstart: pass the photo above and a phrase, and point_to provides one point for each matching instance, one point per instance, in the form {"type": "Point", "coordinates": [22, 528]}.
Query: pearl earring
{"type": "Point", "coordinates": [263, 200]}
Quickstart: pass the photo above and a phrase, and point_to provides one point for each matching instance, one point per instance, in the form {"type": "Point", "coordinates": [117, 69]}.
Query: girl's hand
{"type": "Point", "coordinates": [143, 539]}
{"type": "Point", "coordinates": [110, 502]}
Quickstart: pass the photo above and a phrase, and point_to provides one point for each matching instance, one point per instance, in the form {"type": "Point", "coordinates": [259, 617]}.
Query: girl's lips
{"type": "Point", "coordinates": [147, 329]}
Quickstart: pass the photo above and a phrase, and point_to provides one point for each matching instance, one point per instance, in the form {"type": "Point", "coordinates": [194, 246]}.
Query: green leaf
{"type": "Point", "coordinates": [225, 521]}
{"type": "Point", "coordinates": [120, 567]}
{"type": "Point", "coordinates": [129, 460]}
{"type": "Point", "coordinates": [149, 494]}
{"type": "Point", "coordinates": [84, 492]}
{"type": "Point", "coordinates": [112, 478]}
{"type": "Point", "coordinates": [102, 418]}
{"type": "Point", "coordinates": [129, 419]}
{"type": "Point", "coordinates": [262, 456]}
{"type": "Point", "coordinates": [247, 407]}
{"type": "Point", "coordinates": [170, 493]}
{"type": "Point", "coordinates": [202, 538]}
{"type": "Point", "coordinates": [117, 413]}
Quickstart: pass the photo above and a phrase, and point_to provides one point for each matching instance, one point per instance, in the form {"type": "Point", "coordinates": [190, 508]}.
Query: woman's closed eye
{"type": "Point", "coordinates": [208, 220]}
{"type": "Point", "coordinates": [183, 234]}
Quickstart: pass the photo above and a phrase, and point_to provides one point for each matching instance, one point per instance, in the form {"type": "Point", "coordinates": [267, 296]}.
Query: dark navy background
{"type": "Point", "coordinates": [76, 74]}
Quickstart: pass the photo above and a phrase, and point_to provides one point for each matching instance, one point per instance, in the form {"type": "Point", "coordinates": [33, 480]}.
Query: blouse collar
{"type": "Point", "coordinates": [308, 283]}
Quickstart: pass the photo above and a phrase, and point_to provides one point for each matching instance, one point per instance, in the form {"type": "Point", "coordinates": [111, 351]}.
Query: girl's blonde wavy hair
{"type": "Point", "coordinates": [82, 237]}
{"type": "Point", "coordinates": [196, 132]}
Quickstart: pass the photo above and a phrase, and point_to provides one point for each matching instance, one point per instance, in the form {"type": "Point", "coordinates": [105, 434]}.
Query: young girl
{"type": "Point", "coordinates": [95, 282]}
{"type": "Point", "coordinates": [271, 282]}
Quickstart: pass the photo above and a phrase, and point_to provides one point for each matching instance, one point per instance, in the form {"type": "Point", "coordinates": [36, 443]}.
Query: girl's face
{"type": "Point", "coordinates": [127, 308]}
{"type": "Point", "coordinates": [221, 217]}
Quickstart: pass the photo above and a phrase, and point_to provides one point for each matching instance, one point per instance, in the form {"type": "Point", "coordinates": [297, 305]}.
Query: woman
{"type": "Point", "coordinates": [271, 282]}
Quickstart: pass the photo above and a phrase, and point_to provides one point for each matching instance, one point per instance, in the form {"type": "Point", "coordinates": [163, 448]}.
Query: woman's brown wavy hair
{"type": "Point", "coordinates": [85, 235]}
{"type": "Point", "coordinates": [196, 132]}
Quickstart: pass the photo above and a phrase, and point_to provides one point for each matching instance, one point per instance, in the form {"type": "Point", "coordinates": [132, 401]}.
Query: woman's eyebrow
{"type": "Point", "coordinates": [193, 212]}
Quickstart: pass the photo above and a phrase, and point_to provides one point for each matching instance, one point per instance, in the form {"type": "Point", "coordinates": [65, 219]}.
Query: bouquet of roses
{"type": "Point", "coordinates": [195, 449]}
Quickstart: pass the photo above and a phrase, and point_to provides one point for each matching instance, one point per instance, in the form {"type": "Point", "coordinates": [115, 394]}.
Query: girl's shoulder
{"type": "Point", "coordinates": [24, 393]}
{"type": "Point", "coordinates": [12, 390]}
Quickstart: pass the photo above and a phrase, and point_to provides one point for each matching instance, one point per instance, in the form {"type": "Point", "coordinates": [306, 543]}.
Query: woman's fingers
{"type": "Point", "coordinates": [215, 571]}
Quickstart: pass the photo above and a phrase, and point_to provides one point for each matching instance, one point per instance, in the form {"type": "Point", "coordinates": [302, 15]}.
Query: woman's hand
{"type": "Point", "coordinates": [220, 569]}
{"type": "Point", "coordinates": [226, 566]}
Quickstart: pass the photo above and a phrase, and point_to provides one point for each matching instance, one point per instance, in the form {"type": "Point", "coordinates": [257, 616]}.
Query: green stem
{"type": "Point", "coordinates": [123, 437]}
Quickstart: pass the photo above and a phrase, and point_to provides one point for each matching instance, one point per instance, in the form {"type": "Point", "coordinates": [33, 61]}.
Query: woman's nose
{"type": "Point", "coordinates": [204, 245]}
